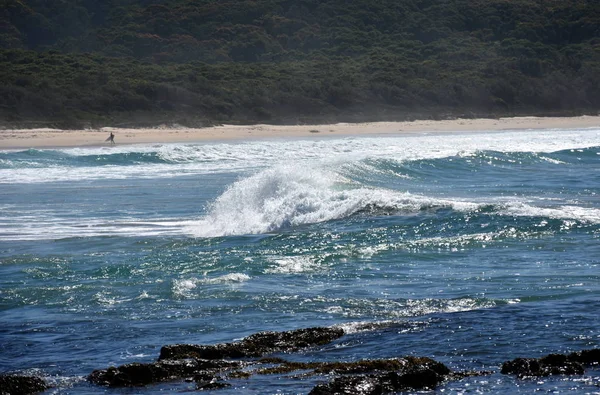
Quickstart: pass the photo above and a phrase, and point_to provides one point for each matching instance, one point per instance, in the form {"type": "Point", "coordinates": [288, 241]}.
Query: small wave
{"type": "Point", "coordinates": [367, 326]}
{"type": "Point", "coordinates": [77, 158]}
{"type": "Point", "coordinates": [588, 215]}
{"type": "Point", "coordinates": [226, 278]}
{"type": "Point", "coordinates": [393, 310]}
{"type": "Point", "coordinates": [293, 264]}
{"type": "Point", "coordinates": [184, 287]}
{"type": "Point", "coordinates": [106, 299]}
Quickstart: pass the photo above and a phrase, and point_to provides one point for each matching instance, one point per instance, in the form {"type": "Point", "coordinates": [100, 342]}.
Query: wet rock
{"type": "Point", "coordinates": [356, 385]}
{"type": "Point", "coordinates": [552, 364]}
{"type": "Point", "coordinates": [586, 357]}
{"type": "Point", "coordinates": [364, 366]}
{"type": "Point", "coordinates": [140, 374]}
{"type": "Point", "coordinates": [358, 367]}
{"type": "Point", "coordinates": [207, 381]}
{"type": "Point", "coordinates": [522, 367]}
{"type": "Point", "coordinates": [14, 384]}
{"type": "Point", "coordinates": [412, 379]}
{"type": "Point", "coordinates": [255, 345]}
{"type": "Point", "coordinates": [212, 386]}
{"type": "Point", "coordinates": [410, 373]}
{"type": "Point", "coordinates": [419, 378]}
{"type": "Point", "coordinates": [397, 364]}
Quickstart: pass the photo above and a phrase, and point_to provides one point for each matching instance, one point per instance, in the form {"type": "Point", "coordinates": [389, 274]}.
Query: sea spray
{"type": "Point", "coordinates": [288, 196]}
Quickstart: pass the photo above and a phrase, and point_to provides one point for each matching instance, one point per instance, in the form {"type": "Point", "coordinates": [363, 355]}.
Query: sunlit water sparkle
{"type": "Point", "coordinates": [471, 248]}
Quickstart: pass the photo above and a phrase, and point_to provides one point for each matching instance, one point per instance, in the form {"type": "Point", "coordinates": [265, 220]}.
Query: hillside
{"type": "Point", "coordinates": [82, 62]}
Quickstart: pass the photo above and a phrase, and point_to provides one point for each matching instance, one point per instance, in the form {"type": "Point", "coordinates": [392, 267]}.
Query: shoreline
{"type": "Point", "coordinates": [56, 138]}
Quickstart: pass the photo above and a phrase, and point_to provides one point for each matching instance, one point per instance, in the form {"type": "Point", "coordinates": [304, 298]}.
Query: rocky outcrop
{"type": "Point", "coordinates": [255, 345]}
{"type": "Point", "coordinates": [203, 362]}
{"type": "Point", "coordinates": [141, 374]}
{"type": "Point", "coordinates": [22, 385]}
{"type": "Point", "coordinates": [552, 364]}
{"type": "Point", "coordinates": [211, 366]}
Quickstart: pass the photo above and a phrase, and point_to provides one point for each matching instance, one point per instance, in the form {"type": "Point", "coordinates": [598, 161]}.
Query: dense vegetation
{"type": "Point", "coordinates": [195, 62]}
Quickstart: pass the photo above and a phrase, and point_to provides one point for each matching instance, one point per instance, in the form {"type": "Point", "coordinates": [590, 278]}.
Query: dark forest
{"type": "Point", "coordinates": [85, 63]}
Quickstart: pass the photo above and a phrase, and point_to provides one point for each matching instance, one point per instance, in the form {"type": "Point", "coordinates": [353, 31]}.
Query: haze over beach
{"type": "Point", "coordinates": [302, 197]}
{"type": "Point", "coordinates": [40, 138]}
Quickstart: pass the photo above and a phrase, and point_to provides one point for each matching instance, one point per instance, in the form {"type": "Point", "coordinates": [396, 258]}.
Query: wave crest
{"type": "Point", "coordinates": [290, 196]}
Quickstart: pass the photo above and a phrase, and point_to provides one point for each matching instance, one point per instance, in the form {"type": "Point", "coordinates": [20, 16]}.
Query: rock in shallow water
{"type": "Point", "coordinates": [140, 374]}
{"type": "Point", "coordinates": [255, 345]}
{"type": "Point", "coordinates": [22, 385]}
{"type": "Point", "coordinates": [552, 364]}
{"type": "Point", "coordinates": [413, 379]}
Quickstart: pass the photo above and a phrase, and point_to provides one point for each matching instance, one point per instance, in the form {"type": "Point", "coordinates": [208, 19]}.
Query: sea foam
{"type": "Point", "coordinates": [290, 195]}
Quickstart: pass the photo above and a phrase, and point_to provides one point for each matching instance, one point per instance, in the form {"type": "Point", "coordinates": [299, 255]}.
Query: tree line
{"type": "Point", "coordinates": [84, 62]}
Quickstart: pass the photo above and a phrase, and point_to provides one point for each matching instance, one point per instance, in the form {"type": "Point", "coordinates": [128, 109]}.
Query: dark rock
{"type": "Point", "coordinates": [413, 379]}
{"type": "Point", "coordinates": [552, 364]}
{"type": "Point", "coordinates": [212, 386]}
{"type": "Point", "coordinates": [522, 367]}
{"type": "Point", "coordinates": [428, 363]}
{"type": "Point", "coordinates": [351, 385]}
{"type": "Point", "coordinates": [469, 373]}
{"type": "Point", "coordinates": [410, 373]}
{"type": "Point", "coordinates": [140, 374]}
{"type": "Point", "coordinates": [586, 357]}
{"type": "Point", "coordinates": [20, 385]}
{"type": "Point", "coordinates": [255, 345]}
{"type": "Point", "coordinates": [555, 364]}
{"type": "Point", "coordinates": [207, 381]}
{"type": "Point", "coordinates": [420, 378]}
{"type": "Point", "coordinates": [364, 366]}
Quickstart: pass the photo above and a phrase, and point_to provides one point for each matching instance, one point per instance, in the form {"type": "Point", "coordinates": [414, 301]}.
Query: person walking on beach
{"type": "Point", "coordinates": [111, 138]}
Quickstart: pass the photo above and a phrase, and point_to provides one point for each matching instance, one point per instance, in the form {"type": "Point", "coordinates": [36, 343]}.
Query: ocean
{"type": "Point", "coordinates": [470, 248]}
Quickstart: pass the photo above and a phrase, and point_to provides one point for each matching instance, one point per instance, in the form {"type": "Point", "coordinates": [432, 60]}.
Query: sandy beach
{"type": "Point", "coordinates": [45, 138]}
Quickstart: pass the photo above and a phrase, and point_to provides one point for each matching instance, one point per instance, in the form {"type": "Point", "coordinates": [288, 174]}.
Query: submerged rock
{"type": "Point", "coordinates": [207, 381]}
{"type": "Point", "coordinates": [552, 364]}
{"type": "Point", "coordinates": [255, 345]}
{"type": "Point", "coordinates": [14, 384]}
{"type": "Point", "coordinates": [140, 374]}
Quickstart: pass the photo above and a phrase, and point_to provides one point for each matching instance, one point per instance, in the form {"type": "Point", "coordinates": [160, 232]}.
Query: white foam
{"type": "Point", "coordinates": [289, 196]}
{"type": "Point", "coordinates": [565, 212]}
{"type": "Point", "coordinates": [394, 310]}
{"type": "Point", "coordinates": [55, 225]}
{"type": "Point", "coordinates": [226, 279]}
{"type": "Point", "coordinates": [293, 264]}
{"type": "Point", "coordinates": [184, 287]}
{"type": "Point", "coordinates": [206, 158]}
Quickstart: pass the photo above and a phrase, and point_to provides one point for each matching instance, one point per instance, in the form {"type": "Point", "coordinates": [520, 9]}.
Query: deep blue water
{"type": "Point", "coordinates": [472, 249]}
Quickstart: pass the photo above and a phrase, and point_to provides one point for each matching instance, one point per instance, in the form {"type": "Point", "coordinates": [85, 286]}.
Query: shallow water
{"type": "Point", "coordinates": [472, 249]}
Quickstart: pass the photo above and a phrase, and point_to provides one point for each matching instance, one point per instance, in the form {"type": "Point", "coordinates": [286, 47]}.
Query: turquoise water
{"type": "Point", "coordinates": [472, 249]}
